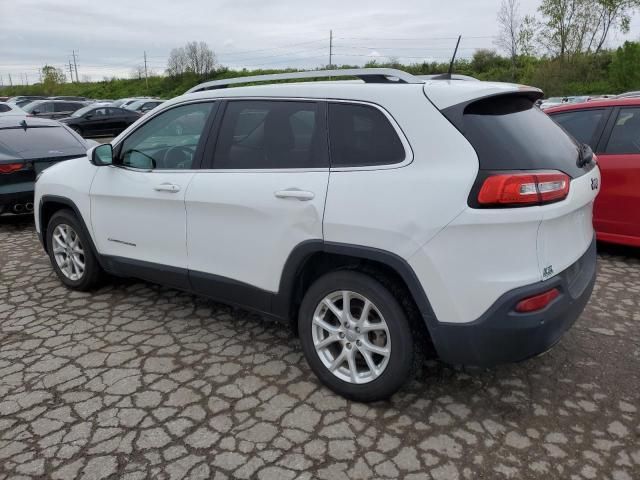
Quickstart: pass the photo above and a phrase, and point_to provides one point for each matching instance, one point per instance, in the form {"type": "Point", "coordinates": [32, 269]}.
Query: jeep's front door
{"type": "Point", "coordinates": [137, 206]}
{"type": "Point", "coordinates": [261, 194]}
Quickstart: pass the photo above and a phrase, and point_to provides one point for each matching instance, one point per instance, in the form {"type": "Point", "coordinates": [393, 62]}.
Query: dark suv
{"type": "Point", "coordinates": [53, 109]}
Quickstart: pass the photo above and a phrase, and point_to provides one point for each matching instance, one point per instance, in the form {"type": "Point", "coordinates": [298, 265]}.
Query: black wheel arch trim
{"type": "Point", "coordinates": [71, 205]}
{"type": "Point", "coordinates": [303, 252]}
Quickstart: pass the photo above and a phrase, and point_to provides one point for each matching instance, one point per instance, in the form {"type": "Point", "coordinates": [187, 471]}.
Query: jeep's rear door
{"type": "Point", "coordinates": [261, 194]}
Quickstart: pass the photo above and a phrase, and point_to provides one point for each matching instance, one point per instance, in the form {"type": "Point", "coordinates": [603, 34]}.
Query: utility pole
{"type": "Point", "coordinates": [70, 71]}
{"type": "Point", "coordinates": [330, 49]}
{"type": "Point", "coordinates": [10, 81]}
{"type": "Point", "coordinates": [146, 75]}
{"type": "Point", "coordinates": [75, 65]}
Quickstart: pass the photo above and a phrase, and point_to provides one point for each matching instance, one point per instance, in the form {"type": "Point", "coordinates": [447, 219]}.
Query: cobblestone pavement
{"type": "Point", "coordinates": [138, 381]}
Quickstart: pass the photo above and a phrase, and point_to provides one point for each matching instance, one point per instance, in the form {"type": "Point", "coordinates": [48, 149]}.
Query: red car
{"type": "Point", "coordinates": [612, 129]}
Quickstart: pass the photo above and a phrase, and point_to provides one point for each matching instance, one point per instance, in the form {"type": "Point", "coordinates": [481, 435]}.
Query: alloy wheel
{"type": "Point", "coordinates": [68, 252]}
{"type": "Point", "coordinates": [351, 337]}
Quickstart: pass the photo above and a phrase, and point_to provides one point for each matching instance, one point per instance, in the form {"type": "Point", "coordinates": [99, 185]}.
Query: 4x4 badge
{"type": "Point", "coordinates": [595, 183]}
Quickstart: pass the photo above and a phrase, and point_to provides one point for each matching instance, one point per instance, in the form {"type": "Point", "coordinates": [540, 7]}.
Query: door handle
{"type": "Point", "coordinates": [167, 187]}
{"type": "Point", "coordinates": [301, 195]}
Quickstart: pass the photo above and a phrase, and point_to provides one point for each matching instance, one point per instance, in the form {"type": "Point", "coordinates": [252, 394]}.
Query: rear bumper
{"type": "Point", "coordinates": [18, 194]}
{"type": "Point", "coordinates": [502, 335]}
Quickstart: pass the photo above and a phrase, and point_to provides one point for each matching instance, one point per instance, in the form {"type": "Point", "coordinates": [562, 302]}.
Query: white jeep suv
{"type": "Point", "coordinates": [360, 212]}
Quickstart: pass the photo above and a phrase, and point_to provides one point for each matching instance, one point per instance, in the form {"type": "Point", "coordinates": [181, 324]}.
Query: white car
{"type": "Point", "coordinates": [365, 214]}
{"type": "Point", "coordinates": [9, 109]}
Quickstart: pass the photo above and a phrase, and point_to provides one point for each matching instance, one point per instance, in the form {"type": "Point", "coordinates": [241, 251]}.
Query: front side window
{"type": "Point", "coordinates": [168, 141]}
{"type": "Point", "coordinates": [271, 134]}
{"type": "Point", "coordinates": [361, 135]}
{"type": "Point", "coordinates": [625, 136]}
{"type": "Point", "coordinates": [581, 125]}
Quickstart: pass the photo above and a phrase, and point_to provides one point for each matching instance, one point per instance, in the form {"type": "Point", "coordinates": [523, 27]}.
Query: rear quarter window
{"type": "Point", "coordinates": [361, 135]}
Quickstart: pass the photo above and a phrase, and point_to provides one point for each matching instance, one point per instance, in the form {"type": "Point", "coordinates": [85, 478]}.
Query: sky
{"type": "Point", "coordinates": [110, 38]}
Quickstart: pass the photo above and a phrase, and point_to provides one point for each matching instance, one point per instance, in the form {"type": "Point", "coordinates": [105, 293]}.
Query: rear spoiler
{"type": "Point", "coordinates": [455, 113]}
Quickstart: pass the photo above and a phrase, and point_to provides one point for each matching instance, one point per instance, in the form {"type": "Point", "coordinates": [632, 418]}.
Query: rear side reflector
{"type": "Point", "coordinates": [537, 302]}
{"type": "Point", "coordinates": [11, 167]}
{"type": "Point", "coordinates": [524, 188]}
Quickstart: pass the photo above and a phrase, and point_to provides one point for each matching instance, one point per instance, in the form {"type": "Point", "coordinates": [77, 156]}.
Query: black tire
{"type": "Point", "coordinates": [93, 273]}
{"type": "Point", "coordinates": [400, 363]}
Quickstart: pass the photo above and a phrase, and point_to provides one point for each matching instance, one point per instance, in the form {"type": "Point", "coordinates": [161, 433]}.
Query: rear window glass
{"type": "Point", "coordinates": [40, 142]}
{"type": "Point", "coordinates": [509, 133]}
{"type": "Point", "coordinates": [581, 125]}
{"type": "Point", "coordinates": [360, 135]}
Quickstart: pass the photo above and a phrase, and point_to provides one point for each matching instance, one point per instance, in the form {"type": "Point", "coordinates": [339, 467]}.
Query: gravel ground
{"type": "Point", "coordinates": [139, 381]}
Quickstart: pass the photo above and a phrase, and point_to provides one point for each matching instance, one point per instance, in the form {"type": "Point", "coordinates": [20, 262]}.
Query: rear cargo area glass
{"type": "Point", "coordinates": [509, 133]}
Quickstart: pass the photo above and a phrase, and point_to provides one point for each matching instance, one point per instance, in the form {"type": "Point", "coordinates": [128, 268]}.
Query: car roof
{"type": "Point", "coordinates": [605, 102]}
{"type": "Point", "coordinates": [13, 121]}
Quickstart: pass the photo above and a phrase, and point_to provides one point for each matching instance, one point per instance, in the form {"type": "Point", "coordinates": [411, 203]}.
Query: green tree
{"type": "Point", "coordinates": [625, 67]}
{"type": "Point", "coordinates": [51, 78]}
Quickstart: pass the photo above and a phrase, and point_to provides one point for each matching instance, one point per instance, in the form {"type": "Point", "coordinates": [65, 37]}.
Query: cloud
{"type": "Point", "coordinates": [110, 38]}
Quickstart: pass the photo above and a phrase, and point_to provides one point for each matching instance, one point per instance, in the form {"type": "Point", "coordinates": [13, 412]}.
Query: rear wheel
{"type": "Point", "coordinates": [70, 252]}
{"type": "Point", "coordinates": [356, 336]}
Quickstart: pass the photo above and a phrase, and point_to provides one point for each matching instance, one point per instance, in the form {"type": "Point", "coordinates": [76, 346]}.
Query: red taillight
{"type": "Point", "coordinates": [11, 167]}
{"type": "Point", "coordinates": [537, 302]}
{"type": "Point", "coordinates": [524, 188]}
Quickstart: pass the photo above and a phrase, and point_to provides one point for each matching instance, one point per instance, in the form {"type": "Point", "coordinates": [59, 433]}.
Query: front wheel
{"type": "Point", "coordinates": [355, 336]}
{"type": "Point", "coordinates": [70, 252]}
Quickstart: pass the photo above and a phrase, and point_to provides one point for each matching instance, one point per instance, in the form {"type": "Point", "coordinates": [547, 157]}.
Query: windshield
{"type": "Point", "coordinates": [82, 111]}
{"type": "Point", "coordinates": [136, 104]}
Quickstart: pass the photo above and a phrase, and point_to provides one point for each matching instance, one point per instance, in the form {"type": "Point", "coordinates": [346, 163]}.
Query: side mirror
{"type": "Point", "coordinates": [102, 155]}
{"type": "Point", "coordinates": [35, 112]}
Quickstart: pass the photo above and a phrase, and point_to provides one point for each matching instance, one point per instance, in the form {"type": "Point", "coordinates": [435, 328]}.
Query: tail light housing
{"type": "Point", "coordinates": [11, 167]}
{"type": "Point", "coordinates": [522, 189]}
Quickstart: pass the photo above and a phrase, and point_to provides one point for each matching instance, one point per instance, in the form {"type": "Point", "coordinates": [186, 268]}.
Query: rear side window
{"type": "Point", "coordinates": [361, 135]}
{"type": "Point", "coordinates": [581, 125]}
{"type": "Point", "coordinates": [509, 133]}
{"type": "Point", "coordinates": [625, 136]}
{"type": "Point", "coordinates": [271, 134]}
{"type": "Point", "coordinates": [4, 108]}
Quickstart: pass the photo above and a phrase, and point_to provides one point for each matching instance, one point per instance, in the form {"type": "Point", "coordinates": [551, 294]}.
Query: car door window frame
{"type": "Point", "coordinates": [202, 141]}
{"type": "Point", "coordinates": [323, 103]}
{"type": "Point", "coordinates": [608, 131]}
{"type": "Point", "coordinates": [212, 143]}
